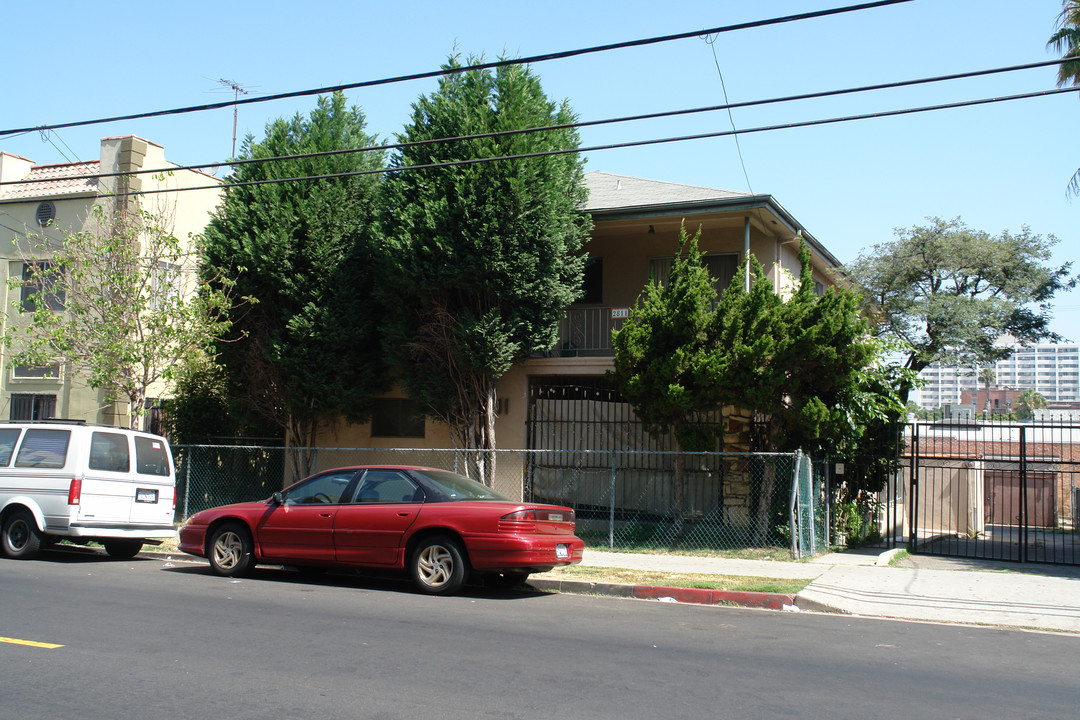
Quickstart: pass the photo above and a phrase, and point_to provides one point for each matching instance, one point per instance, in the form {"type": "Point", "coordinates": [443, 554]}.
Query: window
{"type": "Point", "coordinates": [592, 281]}
{"type": "Point", "coordinates": [388, 486]}
{"type": "Point", "coordinates": [44, 449]}
{"type": "Point", "coordinates": [165, 283]}
{"type": "Point", "coordinates": [109, 452]}
{"type": "Point", "coordinates": [722, 267]}
{"type": "Point", "coordinates": [8, 438]}
{"type": "Point", "coordinates": [26, 406]}
{"type": "Point", "coordinates": [150, 456]}
{"type": "Point", "coordinates": [320, 490]}
{"type": "Point", "coordinates": [41, 278]}
{"type": "Point", "coordinates": [36, 372]}
{"type": "Point", "coordinates": [397, 418]}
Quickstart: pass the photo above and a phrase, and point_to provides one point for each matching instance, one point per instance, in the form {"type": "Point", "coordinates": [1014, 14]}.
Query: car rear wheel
{"type": "Point", "coordinates": [21, 537]}
{"type": "Point", "coordinates": [438, 565]}
{"type": "Point", "coordinates": [230, 550]}
{"type": "Point", "coordinates": [505, 580]}
{"type": "Point", "coordinates": [123, 549]}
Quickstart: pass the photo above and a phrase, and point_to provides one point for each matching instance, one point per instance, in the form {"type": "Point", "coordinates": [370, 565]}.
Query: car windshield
{"type": "Point", "coordinates": [459, 487]}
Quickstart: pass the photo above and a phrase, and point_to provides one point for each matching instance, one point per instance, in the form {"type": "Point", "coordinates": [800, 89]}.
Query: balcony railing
{"type": "Point", "coordinates": [586, 332]}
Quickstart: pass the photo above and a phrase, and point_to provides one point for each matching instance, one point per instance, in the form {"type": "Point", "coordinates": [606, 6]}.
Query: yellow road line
{"type": "Point", "coordinates": [31, 643]}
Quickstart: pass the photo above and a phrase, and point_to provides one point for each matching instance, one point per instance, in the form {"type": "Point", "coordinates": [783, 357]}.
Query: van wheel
{"type": "Point", "coordinates": [21, 537]}
{"type": "Point", "coordinates": [123, 549]}
{"type": "Point", "coordinates": [230, 550]}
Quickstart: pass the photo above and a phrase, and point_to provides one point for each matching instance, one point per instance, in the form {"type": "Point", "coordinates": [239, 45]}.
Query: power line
{"type": "Point", "coordinates": [579, 124]}
{"type": "Point", "coordinates": [468, 68]}
{"type": "Point", "coordinates": [613, 146]}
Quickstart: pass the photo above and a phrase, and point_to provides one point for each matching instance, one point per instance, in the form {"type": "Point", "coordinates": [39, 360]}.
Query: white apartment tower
{"type": "Point", "coordinates": [1053, 370]}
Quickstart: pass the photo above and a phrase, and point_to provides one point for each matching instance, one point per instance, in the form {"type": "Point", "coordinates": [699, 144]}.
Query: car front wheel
{"type": "Point", "coordinates": [21, 537]}
{"type": "Point", "coordinates": [230, 550]}
{"type": "Point", "coordinates": [438, 566]}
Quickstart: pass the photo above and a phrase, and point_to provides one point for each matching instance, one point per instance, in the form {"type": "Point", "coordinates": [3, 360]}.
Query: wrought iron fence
{"type": "Point", "coordinates": [622, 499]}
{"type": "Point", "coordinates": [1000, 491]}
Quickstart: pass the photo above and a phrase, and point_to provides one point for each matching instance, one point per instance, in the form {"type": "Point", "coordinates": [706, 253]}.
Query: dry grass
{"type": "Point", "coordinates": [687, 580]}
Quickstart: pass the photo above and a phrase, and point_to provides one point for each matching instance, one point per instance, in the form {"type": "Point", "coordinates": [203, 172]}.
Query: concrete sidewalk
{"type": "Point", "coordinates": [863, 583]}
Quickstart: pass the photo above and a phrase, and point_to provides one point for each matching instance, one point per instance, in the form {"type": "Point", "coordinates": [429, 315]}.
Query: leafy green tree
{"type": "Point", "coordinates": [949, 292]}
{"type": "Point", "coordinates": [309, 348]}
{"type": "Point", "coordinates": [483, 257]}
{"type": "Point", "coordinates": [805, 364]}
{"type": "Point", "coordinates": [1027, 402]}
{"type": "Point", "coordinates": [660, 352]}
{"type": "Point", "coordinates": [810, 367]}
{"type": "Point", "coordinates": [117, 303]}
{"type": "Point", "coordinates": [1066, 40]}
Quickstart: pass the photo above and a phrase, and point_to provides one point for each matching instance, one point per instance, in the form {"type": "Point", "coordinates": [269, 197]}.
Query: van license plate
{"type": "Point", "coordinates": [145, 496]}
{"type": "Point", "coordinates": [562, 551]}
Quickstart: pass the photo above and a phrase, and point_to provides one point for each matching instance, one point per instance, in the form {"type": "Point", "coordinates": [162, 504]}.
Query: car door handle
{"type": "Point", "coordinates": [326, 514]}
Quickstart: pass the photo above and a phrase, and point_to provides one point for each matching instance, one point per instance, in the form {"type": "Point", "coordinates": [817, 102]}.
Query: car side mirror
{"type": "Point", "coordinates": [276, 499]}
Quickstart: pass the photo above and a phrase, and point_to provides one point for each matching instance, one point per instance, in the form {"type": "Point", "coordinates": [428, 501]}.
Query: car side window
{"type": "Point", "coordinates": [320, 490]}
{"type": "Point", "coordinates": [109, 452]}
{"type": "Point", "coordinates": [8, 438]}
{"type": "Point", "coordinates": [44, 449]}
{"type": "Point", "coordinates": [388, 486]}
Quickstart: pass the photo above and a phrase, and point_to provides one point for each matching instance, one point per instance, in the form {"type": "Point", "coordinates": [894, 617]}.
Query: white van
{"type": "Point", "coordinates": [66, 479]}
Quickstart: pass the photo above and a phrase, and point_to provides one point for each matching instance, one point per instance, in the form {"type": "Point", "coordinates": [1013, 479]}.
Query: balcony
{"type": "Point", "coordinates": [586, 332]}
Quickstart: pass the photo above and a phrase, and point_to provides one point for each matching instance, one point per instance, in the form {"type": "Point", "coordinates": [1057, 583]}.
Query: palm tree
{"type": "Point", "coordinates": [987, 377]}
{"type": "Point", "coordinates": [1067, 42]}
{"type": "Point", "coordinates": [1027, 402]}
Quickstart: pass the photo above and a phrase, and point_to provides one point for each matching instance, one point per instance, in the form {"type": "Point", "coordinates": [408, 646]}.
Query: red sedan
{"type": "Point", "coordinates": [437, 525]}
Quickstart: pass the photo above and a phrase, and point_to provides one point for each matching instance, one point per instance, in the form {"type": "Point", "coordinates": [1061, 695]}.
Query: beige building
{"type": "Point", "coordinates": [636, 227]}
{"type": "Point", "coordinates": [44, 201]}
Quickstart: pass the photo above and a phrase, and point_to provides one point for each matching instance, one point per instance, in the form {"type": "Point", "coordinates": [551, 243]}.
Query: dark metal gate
{"type": "Point", "coordinates": [995, 491]}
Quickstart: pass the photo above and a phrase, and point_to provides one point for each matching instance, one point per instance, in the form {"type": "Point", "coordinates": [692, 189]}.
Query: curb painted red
{"type": "Point", "coordinates": [769, 601]}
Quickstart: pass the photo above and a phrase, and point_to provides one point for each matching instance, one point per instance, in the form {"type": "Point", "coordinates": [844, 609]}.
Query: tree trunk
{"type": "Point", "coordinates": [765, 499]}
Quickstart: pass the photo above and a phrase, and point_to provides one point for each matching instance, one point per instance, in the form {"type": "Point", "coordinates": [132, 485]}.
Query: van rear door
{"type": "Point", "coordinates": [107, 491]}
{"type": "Point", "coordinates": [154, 481]}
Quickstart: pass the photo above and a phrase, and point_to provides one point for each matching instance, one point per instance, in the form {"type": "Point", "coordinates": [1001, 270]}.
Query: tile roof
{"type": "Point", "coordinates": [609, 191]}
{"type": "Point", "coordinates": [54, 180]}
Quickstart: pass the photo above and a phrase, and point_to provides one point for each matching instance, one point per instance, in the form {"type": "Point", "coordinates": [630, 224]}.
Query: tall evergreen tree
{"type": "Point", "coordinates": [660, 352]}
{"type": "Point", "coordinates": [483, 257]}
{"type": "Point", "coordinates": [303, 249]}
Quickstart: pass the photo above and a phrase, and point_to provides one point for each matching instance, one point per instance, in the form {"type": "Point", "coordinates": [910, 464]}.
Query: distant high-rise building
{"type": "Point", "coordinates": [1052, 370]}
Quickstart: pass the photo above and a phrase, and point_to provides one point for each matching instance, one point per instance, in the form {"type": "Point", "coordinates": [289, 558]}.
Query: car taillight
{"type": "Point", "coordinates": [539, 515]}
{"type": "Point", "coordinates": [75, 491]}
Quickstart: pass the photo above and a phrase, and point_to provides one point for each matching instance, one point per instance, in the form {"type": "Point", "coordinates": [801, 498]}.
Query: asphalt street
{"type": "Point", "coordinates": [158, 639]}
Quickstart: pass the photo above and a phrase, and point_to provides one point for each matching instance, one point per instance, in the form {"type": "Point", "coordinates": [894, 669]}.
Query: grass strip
{"type": "Point", "coordinates": [626, 576]}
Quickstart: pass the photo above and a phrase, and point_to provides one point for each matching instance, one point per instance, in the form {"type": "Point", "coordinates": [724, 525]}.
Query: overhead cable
{"type": "Point", "coordinates": [610, 146]}
{"type": "Point", "coordinates": [564, 126]}
{"type": "Point", "coordinates": [466, 68]}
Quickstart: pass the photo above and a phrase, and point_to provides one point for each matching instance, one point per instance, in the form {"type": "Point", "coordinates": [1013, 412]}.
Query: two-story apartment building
{"type": "Point", "coordinates": [47, 201]}
{"type": "Point", "coordinates": [546, 402]}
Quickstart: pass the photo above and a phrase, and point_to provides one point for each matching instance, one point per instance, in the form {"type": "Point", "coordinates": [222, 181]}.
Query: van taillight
{"type": "Point", "coordinates": [74, 491]}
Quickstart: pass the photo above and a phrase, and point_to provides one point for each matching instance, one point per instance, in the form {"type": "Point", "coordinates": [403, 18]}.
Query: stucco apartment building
{"type": "Point", "coordinates": [636, 226]}
{"type": "Point", "coordinates": [44, 201]}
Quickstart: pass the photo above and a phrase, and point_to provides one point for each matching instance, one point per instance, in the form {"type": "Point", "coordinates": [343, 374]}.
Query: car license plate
{"type": "Point", "coordinates": [562, 551]}
{"type": "Point", "coordinates": [143, 495]}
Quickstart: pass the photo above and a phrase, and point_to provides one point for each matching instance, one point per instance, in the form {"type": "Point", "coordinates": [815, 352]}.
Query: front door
{"type": "Point", "coordinates": [301, 529]}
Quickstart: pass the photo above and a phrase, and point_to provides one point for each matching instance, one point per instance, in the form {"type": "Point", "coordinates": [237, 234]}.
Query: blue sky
{"type": "Point", "coordinates": [996, 166]}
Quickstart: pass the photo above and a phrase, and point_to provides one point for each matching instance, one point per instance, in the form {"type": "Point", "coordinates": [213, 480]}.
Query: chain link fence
{"type": "Point", "coordinates": [626, 500]}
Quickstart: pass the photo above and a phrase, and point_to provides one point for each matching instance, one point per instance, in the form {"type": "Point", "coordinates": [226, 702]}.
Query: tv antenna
{"type": "Point", "coordinates": [237, 92]}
